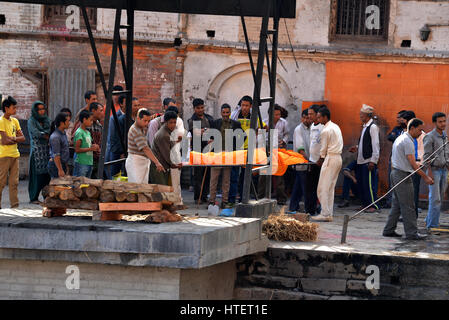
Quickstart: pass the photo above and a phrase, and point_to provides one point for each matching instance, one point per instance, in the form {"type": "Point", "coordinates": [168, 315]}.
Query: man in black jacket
{"type": "Point", "coordinates": [204, 122]}
{"type": "Point", "coordinates": [222, 125]}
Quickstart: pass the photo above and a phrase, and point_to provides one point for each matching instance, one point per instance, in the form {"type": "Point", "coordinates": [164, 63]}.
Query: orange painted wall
{"type": "Point", "coordinates": [389, 88]}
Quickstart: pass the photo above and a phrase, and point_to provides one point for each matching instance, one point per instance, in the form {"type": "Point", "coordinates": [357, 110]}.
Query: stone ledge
{"type": "Point", "coordinates": [194, 243]}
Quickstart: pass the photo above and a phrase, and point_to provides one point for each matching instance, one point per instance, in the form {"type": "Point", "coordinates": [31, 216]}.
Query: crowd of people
{"type": "Point", "coordinates": [71, 146]}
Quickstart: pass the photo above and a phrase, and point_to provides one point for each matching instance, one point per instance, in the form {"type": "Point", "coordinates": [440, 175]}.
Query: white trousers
{"type": "Point", "coordinates": [176, 183]}
{"type": "Point", "coordinates": [326, 185]}
{"type": "Point", "coordinates": [138, 168]}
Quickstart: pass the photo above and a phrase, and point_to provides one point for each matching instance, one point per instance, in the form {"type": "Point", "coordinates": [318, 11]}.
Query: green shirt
{"type": "Point", "coordinates": [86, 158]}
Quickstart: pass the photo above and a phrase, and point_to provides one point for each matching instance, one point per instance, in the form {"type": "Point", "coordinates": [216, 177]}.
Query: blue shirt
{"type": "Point", "coordinates": [59, 146]}
{"type": "Point", "coordinates": [114, 144]}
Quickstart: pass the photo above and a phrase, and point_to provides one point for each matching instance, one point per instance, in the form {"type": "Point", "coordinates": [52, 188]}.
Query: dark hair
{"type": "Point", "coordinates": [284, 113]}
{"type": "Point", "coordinates": [225, 106]}
{"type": "Point", "coordinates": [173, 109]}
{"type": "Point", "coordinates": [8, 102]}
{"type": "Point", "coordinates": [401, 112]}
{"type": "Point", "coordinates": [408, 115]}
{"type": "Point", "coordinates": [414, 123]}
{"type": "Point", "coordinates": [197, 102]}
{"type": "Point", "coordinates": [305, 112]}
{"type": "Point", "coordinates": [246, 98]}
{"type": "Point", "coordinates": [169, 115]}
{"type": "Point", "coordinates": [167, 101]}
{"type": "Point", "coordinates": [117, 88]}
{"type": "Point", "coordinates": [88, 94]}
{"type": "Point", "coordinates": [325, 112]}
{"type": "Point", "coordinates": [121, 98]}
{"type": "Point", "coordinates": [84, 115]}
{"type": "Point", "coordinates": [143, 112]}
{"type": "Point", "coordinates": [437, 115]}
{"type": "Point", "coordinates": [66, 110]}
{"type": "Point", "coordinates": [315, 108]}
{"type": "Point", "coordinates": [60, 118]}
{"type": "Point", "coordinates": [94, 106]}
{"type": "Point", "coordinates": [278, 107]}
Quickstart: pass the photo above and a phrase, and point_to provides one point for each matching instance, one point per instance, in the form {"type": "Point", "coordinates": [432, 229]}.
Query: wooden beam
{"type": "Point", "coordinates": [130, 206]}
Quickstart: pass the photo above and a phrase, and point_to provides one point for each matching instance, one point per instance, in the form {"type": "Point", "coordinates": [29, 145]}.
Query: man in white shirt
{"type": "Point", "coordinates": [368, 151]}
{"type": "Point", "coordinates": [301, 144]}
{"type": "Point", "coordinates": [313, 170]}
{"type": "Point", "coordinates": [330, 162]}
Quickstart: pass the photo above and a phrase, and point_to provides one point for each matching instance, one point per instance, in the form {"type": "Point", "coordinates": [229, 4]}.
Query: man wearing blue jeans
{"type": "Point", "coordinates": [301, 144]}
{"type": "Point", "coordinates": [437, 169]}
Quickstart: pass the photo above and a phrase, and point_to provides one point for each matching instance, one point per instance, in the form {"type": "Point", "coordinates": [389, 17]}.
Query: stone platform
{"type": "Point", "coordinates": [178, 260]}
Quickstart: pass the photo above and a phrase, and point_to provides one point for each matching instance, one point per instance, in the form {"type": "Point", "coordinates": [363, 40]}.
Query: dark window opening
{"type": "Point", "coordinates": [406, 43]}
{"type": "Point", "coordinates": [350, 20]}
{"type": "Point", "coordinates": [56, 16]}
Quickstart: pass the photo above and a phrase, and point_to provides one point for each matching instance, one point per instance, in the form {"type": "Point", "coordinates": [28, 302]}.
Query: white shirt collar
{"type": "Point", "coordinates": [368, 123]}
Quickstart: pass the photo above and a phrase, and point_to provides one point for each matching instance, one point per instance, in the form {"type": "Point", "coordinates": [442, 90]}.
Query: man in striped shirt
{"type": "Point", "coordinates": [139, 153]}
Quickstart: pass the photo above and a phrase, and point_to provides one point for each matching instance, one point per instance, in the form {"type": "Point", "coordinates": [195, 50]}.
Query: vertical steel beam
{"type": "Point", "coordinates": [273, 75]}
{"type": "Point", "coordinates": [109, 106]}
{"type": "Point", "coordinates": [129, 65]}
{"type": "Point", "coordinates": [256, 103]}
{"type": "Point", "coordinates": [102, 79]}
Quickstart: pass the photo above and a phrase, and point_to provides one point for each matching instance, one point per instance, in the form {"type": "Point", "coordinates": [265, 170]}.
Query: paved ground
{"type": "Point", "coordinates": [364, 233]}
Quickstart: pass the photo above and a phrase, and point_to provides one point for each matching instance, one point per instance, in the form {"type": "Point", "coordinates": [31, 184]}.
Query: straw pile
{"type": "Point", "coordinates": [285, 228]}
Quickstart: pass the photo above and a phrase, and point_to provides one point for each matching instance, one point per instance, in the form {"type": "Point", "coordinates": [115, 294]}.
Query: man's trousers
{"type": "Point", "coordinates": [326, 185]}
{"type": "Point", "coordinates": [9, 171]}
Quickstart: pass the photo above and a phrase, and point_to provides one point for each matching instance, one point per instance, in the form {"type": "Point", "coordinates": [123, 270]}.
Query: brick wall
{"type": "Point", "coordinates": [47, 280]}
{"type": "Point", "coordinates": [156, 67]}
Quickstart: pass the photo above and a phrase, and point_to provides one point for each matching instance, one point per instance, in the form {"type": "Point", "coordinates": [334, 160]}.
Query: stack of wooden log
{"type": "Point", "coordinates": [112, 198]}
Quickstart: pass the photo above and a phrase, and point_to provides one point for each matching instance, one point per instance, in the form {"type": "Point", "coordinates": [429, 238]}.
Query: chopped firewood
{"type": "Point", "coordinates": [45, 191]}
{"type": "Point", "coordinates": [78, 192]}
{"type": "Point", "coordinates": [92, 192]}
{"type": "Point", "coordinates": [70, 204]}
{"type": "Point", "coordinates": [120, 196]}
{"type": "Point", "coordinates": [107, 196]}
{"type": "Point", "coordinates": [142, 198]}
{"type": "Point", "coordinates": [131, 197]}
{"type": "Point", "coordinates": [163, 216]}
{"type": "Point", "coordinates": [67, 194]}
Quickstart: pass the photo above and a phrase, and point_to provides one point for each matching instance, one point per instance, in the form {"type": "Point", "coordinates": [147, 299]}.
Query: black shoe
{"type": "Point", "coordinates": [393, 234]}
{"type": "Point", "coordinates": [416, 237]}
{"type": "Point", "coordinates": [344, 204]}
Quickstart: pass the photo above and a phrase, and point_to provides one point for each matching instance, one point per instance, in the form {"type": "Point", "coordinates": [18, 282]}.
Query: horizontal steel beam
{"type": "Point", "coordinates": [250, 8]}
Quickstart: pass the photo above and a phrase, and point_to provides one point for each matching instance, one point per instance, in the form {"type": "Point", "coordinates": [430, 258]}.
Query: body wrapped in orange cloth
{"type": "Point", "coordinates": [282, 158]}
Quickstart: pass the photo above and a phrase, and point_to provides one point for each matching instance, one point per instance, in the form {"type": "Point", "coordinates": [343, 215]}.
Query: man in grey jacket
{"type": "Point", "coordinates": [437, 168]}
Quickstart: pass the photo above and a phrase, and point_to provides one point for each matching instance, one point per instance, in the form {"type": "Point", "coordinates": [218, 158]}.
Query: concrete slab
{"type": "Point", "coordinates": [193, 243]}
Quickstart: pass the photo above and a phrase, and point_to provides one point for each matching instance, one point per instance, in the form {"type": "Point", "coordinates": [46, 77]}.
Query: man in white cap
{"type": "Point", "coordinates": [368, 151]}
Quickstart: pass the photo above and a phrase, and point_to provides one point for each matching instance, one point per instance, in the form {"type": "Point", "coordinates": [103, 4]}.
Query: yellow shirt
{"type": "Point", "coordinates": [245, 123]}
{"type": "Point", "coordinates": [11, 127]}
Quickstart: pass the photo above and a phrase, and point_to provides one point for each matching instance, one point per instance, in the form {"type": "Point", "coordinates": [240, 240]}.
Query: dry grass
{"type": "Point", "coordinates": [284, 227]}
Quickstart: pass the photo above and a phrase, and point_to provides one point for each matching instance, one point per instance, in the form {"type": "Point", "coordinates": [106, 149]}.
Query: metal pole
{"type": "Point", "coordinates": [256, 104]}
{"type": "Point", "coordinates": [273, 74]}
{"type": "Point", "coordinates": [109, 106]}
{"type": "Point", "coordinates": [129, 66]}
{"type": "Point", "coordinates": [100, 72]}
